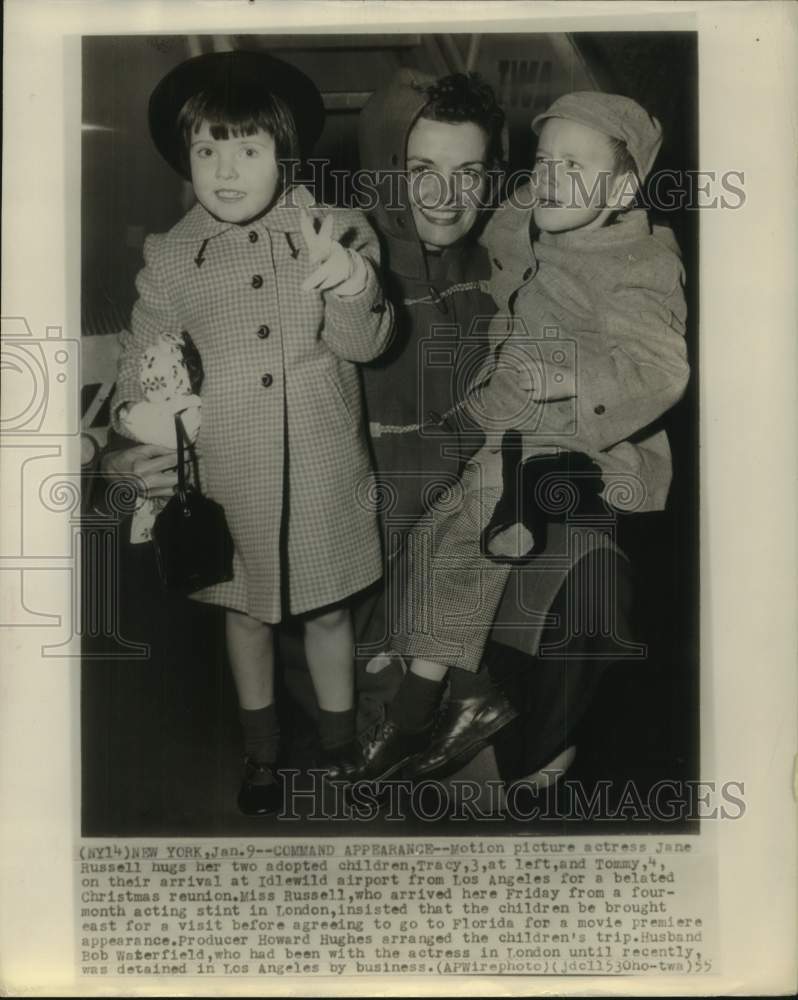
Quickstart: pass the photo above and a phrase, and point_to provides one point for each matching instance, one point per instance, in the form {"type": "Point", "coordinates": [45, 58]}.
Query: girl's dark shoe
{"type": "Point", "coordinates": [466, 726]}
{"type": "Point", "coordinates": [261, 790]}
{"type": "Point", "coordinates": [389, 749]}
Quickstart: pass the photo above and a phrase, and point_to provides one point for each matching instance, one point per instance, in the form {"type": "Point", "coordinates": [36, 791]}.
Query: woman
{"type": "Point", "coordinates": [434, 148]}
{"type": "Point", "coordinates": [443, 139]}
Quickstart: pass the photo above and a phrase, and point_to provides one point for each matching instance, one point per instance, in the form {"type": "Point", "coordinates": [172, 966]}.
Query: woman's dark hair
{"type": "Point", "coordinates": [238, 114]}
{"type": "Point", "coordinates": [466, 97]}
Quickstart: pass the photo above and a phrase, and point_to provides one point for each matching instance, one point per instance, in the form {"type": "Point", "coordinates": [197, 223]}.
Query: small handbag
{"type": "Point", "coordinates": [193, 545]}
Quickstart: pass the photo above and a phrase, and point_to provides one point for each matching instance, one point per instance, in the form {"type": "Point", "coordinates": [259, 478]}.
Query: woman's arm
{"type": "Point", "coordinates": [151, 465]}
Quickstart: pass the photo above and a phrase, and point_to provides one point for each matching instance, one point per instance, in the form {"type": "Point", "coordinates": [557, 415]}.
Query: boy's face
{"type": "Point", "coordinates": [447, 169]}
{"type": "Point", "coordinates": [235, 179]}
{"type": "Point", "coordinates": [574, 177]}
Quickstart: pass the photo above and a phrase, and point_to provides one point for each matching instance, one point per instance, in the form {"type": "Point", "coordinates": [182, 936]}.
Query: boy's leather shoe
{"type": "Point", "coordinates": [261, 790]}
{"type": "Point", "coordinates": [465, 727]}
{"type": "Point", "coordinates": [343, 763]}
{"type": "Point", "coordinates": [390, 749]}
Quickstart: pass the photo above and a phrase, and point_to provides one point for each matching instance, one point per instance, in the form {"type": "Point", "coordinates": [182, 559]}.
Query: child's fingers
{"type": "Point", "coordinates": [326, 230]}
{"type": "Point", "coordinates": [336, 268]}
{"type": "Point", "coordinates": [319, 244]}
{"type": "Point", "coordinates": [315, 280]}
{"type": "Point", "coordinates": [327, 276]}
{"type": "Point", "coordinates": [324, 244]}
{"type": "Point", "coordinates": [308, 229]}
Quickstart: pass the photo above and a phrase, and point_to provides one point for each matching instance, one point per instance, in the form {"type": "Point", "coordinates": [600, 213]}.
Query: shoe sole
{"type": "Point", "coordinates": [394, 769]}
{"type": "Point", "coordinates": [271, 811]}
{"type": "Point", "coordinates": [453, 764]}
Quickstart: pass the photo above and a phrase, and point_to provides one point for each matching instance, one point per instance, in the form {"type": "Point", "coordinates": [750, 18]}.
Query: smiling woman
{"type": "Point", "coordinates": [448, 168]}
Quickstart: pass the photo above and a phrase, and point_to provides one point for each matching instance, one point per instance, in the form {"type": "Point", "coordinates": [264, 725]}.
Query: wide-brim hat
{"type": "Point", "coordinates": [239, 72]}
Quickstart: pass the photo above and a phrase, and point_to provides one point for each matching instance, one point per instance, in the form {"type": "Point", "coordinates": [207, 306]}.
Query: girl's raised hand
{"type": "Point", "coordinates": [336, 268]}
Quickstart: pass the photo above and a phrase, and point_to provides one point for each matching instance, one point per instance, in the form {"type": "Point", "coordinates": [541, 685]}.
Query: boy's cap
{"type": "Point", "coordinates": [615, 116]}
{"type": "Point", "coordinates": [242, 71]}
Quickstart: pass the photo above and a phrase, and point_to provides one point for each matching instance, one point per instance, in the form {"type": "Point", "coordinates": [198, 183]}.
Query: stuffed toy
{"type": "Point", "coordinates": [171, 377]}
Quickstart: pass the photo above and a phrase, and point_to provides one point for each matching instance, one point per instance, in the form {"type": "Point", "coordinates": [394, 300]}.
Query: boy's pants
{"type": "Point", "coordinates": [446, 592]}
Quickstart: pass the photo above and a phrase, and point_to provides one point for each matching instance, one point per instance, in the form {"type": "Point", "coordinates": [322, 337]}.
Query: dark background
{"type": "Point", "coordinates": [159, 737]}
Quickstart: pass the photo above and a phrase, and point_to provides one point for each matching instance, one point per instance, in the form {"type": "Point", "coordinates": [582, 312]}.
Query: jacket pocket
{"type": "Point", "coordinates": [346, 398]}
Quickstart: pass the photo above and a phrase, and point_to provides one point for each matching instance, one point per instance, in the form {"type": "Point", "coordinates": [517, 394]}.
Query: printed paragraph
{"type": "Point", "coordinates": [514, 906]}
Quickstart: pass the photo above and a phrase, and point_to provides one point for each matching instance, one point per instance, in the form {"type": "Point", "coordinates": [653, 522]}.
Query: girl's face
{"type": "Point", "coordinates": [447, 166]}
{"type": "Point", "coordinates": [235, 179]}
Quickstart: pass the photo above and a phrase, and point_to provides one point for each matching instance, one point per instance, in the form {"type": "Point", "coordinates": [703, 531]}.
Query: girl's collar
{"type": "Point", "coordinates": [282, 217]}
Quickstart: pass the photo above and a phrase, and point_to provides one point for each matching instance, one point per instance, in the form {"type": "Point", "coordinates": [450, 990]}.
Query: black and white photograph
{"type": "Point", "coordinates": [438, 371]}
{"type": "Point", "coordinates": [397, 560]}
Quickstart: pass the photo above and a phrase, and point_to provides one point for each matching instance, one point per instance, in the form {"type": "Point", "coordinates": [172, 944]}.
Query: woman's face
{"type": "Point", "coordinates": [448, 171]}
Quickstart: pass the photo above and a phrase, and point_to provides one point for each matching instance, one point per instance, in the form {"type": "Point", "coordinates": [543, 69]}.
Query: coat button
{"type": "Point", "coordinates": [263, 332]}
{"type": "Point", "coordinates": [253, 236]}
{"type": "Point", "coordinates": [527, 274]}
{"type": "Point", "coordinates": [378, 307]}
{"type": "Point", "coordinates": [257, 281]}
{"type": "Point", "coordinates": [600, 409]}
{"type": "Point", "coordinates": [266, 380]}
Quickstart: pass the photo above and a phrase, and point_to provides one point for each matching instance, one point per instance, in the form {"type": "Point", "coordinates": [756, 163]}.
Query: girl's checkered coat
{"type": "Point", "coordinates": [283, 443]}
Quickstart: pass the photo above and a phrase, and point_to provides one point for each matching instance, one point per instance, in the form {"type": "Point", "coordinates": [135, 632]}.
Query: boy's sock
{"type": "Point", "coordinates": [336, 729]}
{"type": "Point", "coordinates": [261, 733]}
{"type": "Point", "coordinates": [465, 684]}
{"type": "Point", "coordinates": [414, 705]}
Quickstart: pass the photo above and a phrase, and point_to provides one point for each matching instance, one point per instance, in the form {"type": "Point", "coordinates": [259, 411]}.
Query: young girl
{"type": "Point", "coordinates": [281, 308]}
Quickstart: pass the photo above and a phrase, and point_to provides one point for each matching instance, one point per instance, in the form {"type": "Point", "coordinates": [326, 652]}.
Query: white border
{"type": "Point", "coordinates": [748, 418]}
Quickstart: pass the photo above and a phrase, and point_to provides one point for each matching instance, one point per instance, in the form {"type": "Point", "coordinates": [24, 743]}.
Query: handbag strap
{"type": "Point", "coordinates": [184, 442]}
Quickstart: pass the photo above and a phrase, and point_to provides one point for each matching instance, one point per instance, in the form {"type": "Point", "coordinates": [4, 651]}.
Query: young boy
{"type": "Point", "coordinates": [593, 351]}
{"type": "Point", "coordinates": [589, 352]}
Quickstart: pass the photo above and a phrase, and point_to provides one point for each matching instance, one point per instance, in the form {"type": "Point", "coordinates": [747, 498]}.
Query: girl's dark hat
{"type": "Point", "coordinates": [241, 72]}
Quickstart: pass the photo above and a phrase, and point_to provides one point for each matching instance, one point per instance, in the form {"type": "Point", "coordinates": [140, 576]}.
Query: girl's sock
{"type": "Point", "coordinates": [414, 705]}
{"type": "Point", "coordinates": [261, 733]}
{"type": "Point", "coordinates": [336, 728]}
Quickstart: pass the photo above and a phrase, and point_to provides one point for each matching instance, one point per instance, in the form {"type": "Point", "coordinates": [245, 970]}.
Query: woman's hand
{"type": "Point", "coordinates": [153, 466]}
{"type": "Point", "coordinates": [154, 423]}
